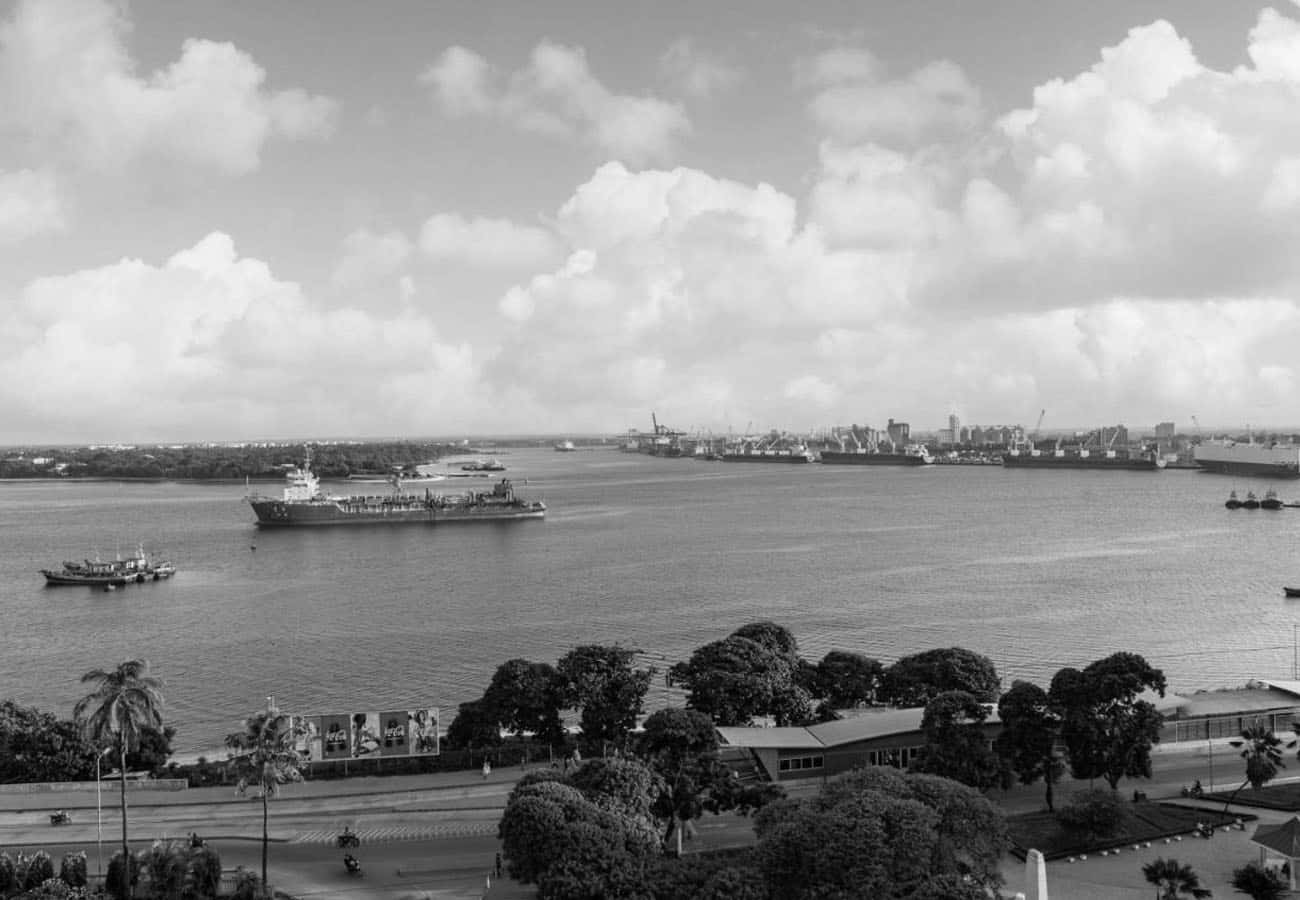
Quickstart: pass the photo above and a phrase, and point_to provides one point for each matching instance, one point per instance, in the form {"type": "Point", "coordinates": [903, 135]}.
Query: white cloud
{"type": "Point", "coordinates": [696, 72]}
{"type": "Point", "coordinates": [68, 81]}
{"type": "Point", "coordinates": [486, 242]}
{"type": "Point", "coordinates": [30, 204]}
{"type": "Point", "coordinates": [368, 256]}
{"type": "Point", "coordinates": [557, 95]}
{"type": "Point", "coordinates": [213, 344]}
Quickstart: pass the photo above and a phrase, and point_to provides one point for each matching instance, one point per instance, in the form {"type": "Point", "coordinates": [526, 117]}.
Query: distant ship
{"type": "Point", "coordinates": [911, 455]}
{"type": "Point", "coordinates": [768, 450]}
{"type": "Point", "coordinates": [116, 573]}
{"type": "Point", "coordinates": [1273, 460]}
{"type": "Point", "coordinates": [1145, 460]}
{"type": "Point", "coordinates": [303, 503]}
{"type": "Point", "coordinates": [565, 447]}
{"type": "Point", "coordinates": [490, 465]}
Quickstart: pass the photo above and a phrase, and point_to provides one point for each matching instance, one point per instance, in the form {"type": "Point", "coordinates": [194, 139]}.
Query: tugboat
{"type": "Point", "coordinates": [1233, 502]}
{"type": "Point", "coordinates": [1271, 500]}
{"type": "Point", "coordinates": [1251, 501]}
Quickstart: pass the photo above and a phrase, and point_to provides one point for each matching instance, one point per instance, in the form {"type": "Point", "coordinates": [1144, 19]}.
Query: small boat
{"type": "Point", "coordinates": [491, 465]}
{"type": "Point", "coordinates": [1271, 500]}
{"type": "Point", "coordinates": [1233, 502]}
{"type": "Point", "coordinates": [108, 575]}
{"type": "Point", "coordinates": [1251, 501]}
{"type": "Point", "coordinates": [1291, 591]}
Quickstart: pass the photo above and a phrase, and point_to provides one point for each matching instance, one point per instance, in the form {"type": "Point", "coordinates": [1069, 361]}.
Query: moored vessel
{"type": "Point", "coordinates": [1272, 460]}
{"type": "Point", "coordinates": [1145, 460]}
{"type": "Point", "coordinates": [911, 455]}
{"type": "Point", "coordinates": [1270, 500]}
{"type": "Point", "coordinates": [303, 503]}
{"type": "Point", "coordinates": [1233, 502]}
{"type": "Point", "coordinates": [115, 573]}
{"type": "Point", "coordinates": [1251, 501]}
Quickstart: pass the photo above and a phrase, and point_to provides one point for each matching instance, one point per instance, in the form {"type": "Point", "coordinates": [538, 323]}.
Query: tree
{"type": "Point", "coordinates": [847, 679]}
{"type": "Point", "coordinates": [265, 756]}
{"type": "Point", "coordinates": [1027, 742]}
{"type": "Point", "coordinates": [154, 751]}
{"type": "Point", "coordinates": [125, 701]}
{"type": "Point", "coordinates": [1107, 731]}
{"type": "Point", "coordinates": [526, 697]}
{"type": "Point", "coordinates": [1262, 751]}
{"type": "Point", "coordinates": [752, 672]}
{"type": "Point", "coordinates": [916, 680]}
{"type": "Point", "coordinates": [1259, 883]}
{"type": "Point", "coordinates": [475, 725]}
{"type": "Point", "coordinates": [1174, 879]}
{"type": "Point", "coordinates": [37, 746]}
{"type": "Point", "coordinates": [956, 744]}
{"type": "Point", "coordinates": [601, 681]}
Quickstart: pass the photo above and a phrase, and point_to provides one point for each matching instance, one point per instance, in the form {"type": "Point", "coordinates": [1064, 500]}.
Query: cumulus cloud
{"type": "Point", "coordinates": [696, 72]}
{"type": "Point", "coordinates": [557, 95]}
{"type": "Point", "coordinates": [486, 242]}
{"type": "Point", "coordinates": [368, 256]}
{"type": "Point", "coordinates": [30, 204]}
{"type": "Point", "coordinates": [68, 82]}
{"type": "Point", "coordinates": [211, 341]}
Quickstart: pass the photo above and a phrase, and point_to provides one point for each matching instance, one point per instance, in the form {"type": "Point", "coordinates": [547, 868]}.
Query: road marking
{"type": "Point", "coordinates": [401, 833]}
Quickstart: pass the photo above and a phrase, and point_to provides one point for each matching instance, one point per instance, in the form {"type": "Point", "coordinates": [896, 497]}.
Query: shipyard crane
{"type": "Point", "coordinates": [1038, 425]}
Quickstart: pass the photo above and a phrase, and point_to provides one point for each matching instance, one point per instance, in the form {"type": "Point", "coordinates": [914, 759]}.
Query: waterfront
{"type": "Point", "coordinates": [1036, 569]}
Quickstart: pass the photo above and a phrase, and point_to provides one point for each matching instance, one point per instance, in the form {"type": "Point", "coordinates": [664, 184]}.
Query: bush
{"type": "Point", "coordinates": [1092, 815]}
{"type": "Point", "coordinates": [113, 877]}
{"type": "Point", "coordinates": [8, 875]}
{"type": "Point", "coordinates": [246, 885]}
{"type": "Point", "coordinates": [35, 869]}
{"type": "Point", "coordinates": [1259, 883]}
{"type": "Point", "coordinates": [203, 878]}
{"type": "Point", "coordinates": [72, 871]}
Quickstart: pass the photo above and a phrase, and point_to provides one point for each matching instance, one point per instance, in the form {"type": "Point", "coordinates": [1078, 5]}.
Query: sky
{"type": "Point", "coordinates": [249, 220]}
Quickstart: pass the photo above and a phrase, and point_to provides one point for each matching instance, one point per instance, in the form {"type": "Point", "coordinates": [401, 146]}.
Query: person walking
{"type": "Point", "coordinates": [487, 769]}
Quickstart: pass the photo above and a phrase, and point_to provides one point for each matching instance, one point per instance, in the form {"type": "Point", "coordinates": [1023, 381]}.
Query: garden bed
{"type": "Point", "coordinates": [1143, 822]}
{"type": "Point", "coordinates": [1284, 797]}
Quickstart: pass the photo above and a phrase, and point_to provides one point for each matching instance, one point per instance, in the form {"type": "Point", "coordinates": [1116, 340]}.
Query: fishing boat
{"type": "Point", "coordinates": [119, 572]}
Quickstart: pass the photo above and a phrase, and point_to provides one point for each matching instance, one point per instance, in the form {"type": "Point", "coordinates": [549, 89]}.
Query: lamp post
{"type": "Point", "coordinates": [99, 815]}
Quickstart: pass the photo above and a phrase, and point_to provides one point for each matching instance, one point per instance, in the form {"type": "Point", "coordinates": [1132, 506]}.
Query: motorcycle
{"type": "Point", "coordinates": [348, 839]}
{"type": "Point", "coordinates": [351, 863]}
{"type": "Point", "coordinates": [60, 818]}
{"type": "Point", "coordinates": [1195, 791]}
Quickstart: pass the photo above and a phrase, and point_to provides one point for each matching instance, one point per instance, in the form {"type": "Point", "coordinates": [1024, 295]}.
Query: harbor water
{"type": "Point", "coordinates": [1035, 569]}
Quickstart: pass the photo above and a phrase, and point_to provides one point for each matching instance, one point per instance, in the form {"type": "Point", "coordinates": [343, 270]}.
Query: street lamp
{"type": "Point", "coordinates": [99, 814]}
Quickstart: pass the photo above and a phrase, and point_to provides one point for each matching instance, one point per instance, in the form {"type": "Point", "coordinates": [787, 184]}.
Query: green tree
{"type": "Point", "coordinates": [154, 751]}
{"type": "Point", "coordinates": [956, 743]}
{"type": "Point", "coordinates": [1027, 742]}
{"type": "Point", "coordinates": [848, 679]}
{"type": "Point", "coordinates": [475, 725]}
{"type": "Point", "coordinates": [1107, 730]}
{"type": "Point", "coordinates": [37, 746]}
{"type": "Point", "coordinates": [1174, 879]}
{"type": "Point", "coordinates": [1262, 751]}
{"type": "Point", "coordinates": [917, 679]}
{"type": "Point", "coordinates": [1093, 815]}
{"type": "Point", "coordinates": [124, 703]}
{"type": "Point", "coordinates": [1259, 883]}
{"type": "Point", "coordinates": [526, 696]}
{"type": "Point", "coordinates": [603, 682]}
{"type": "Point", "coordinates": [754, 671]}
{"type": "Point", "coordinates": [265, 756]}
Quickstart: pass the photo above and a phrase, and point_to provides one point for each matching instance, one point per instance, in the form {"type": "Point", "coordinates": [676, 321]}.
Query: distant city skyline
{"type": "Point", "coordinates": [240, 220]}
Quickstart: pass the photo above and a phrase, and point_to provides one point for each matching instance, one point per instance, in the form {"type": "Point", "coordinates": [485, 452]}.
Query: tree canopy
{"type": "Point", "coordinates": [917, 679]}
{"type": "Point", "coordinates": [957, 746]}
{"type": "Point", "coordinates": [752, 672]}
{"type": "Point", "coordinates": [602, 682]}
{"type": "Point", "coordinates": [1027, 741]}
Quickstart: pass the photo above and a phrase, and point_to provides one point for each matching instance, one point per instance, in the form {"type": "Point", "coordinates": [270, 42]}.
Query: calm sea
{"type": "Point", "coordinates": [1038, 570]}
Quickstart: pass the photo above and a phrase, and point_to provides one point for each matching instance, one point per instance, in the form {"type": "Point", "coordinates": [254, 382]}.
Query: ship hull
{"type": "Point", "coordinates": [1250, 459]}
{"type": "Point", "coordinates": [852, 458]}
{"type": "Point", "coordinates": [787, 458]}
{"type": "Point", "coordinates": [281, 514]}
{"type": "Point", "coordinates": [1113, 463]}
{"type": "Point", "coordinates": [61, 578]}
{"type": "Point", "coordinates": [1252, 469]}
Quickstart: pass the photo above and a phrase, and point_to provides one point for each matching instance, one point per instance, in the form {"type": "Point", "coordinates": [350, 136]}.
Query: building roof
{"type": "Point", "coordinates": [857, 725]}
{"type": "Point", "coordinates": [1259, 696]}
{"type": "Point", "coordinates": [1283, 839]}
{"type": "Point", "coordinates": [783, 738]}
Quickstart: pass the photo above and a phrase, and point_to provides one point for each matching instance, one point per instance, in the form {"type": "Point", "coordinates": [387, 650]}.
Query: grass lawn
{"type": "Point", "coordinates": [1143, 822]}
{"type": "Point", "coordinates": [1285, 797]}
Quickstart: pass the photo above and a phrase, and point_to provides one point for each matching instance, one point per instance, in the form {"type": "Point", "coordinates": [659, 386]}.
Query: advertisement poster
{"type": "Point", "coordinates": [334, 737]}
{"type": "Point", "coordinates": [423, 731]}
{"type": "Point", "coordinates": [365, 734]}
{"type": "Point", "coordinates": [392, 734]}
{"type": "Point", "coordinates": [307, 738]}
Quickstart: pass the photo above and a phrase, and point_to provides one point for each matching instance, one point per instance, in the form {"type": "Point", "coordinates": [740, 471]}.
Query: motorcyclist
{"type": "Point", "coordinates": [351, 863]}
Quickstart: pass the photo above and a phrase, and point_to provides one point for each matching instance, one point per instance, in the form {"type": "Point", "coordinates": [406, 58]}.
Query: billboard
{"type": "Point", "coordinates": [362, 735]}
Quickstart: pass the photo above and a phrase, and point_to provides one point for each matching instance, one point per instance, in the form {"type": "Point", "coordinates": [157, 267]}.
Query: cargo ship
{"type": "Point", "coordinates": [304, 503]}
{"type": "Point", "coordinates": [911, 455]}
{"type": "Point", "coordinates": [759, 451]}
{"type": "Point", "coordinates": [1145, 460]}
{"type": "Point", "coordinates": [1273, 460]}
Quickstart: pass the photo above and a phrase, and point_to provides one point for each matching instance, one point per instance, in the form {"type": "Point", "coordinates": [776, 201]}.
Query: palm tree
{"type": "Point", "coordinates": [124, 704]}
{"type": "Point", "coordinates": [265, 756]}
{"type": "Point", "coordinates": [1174, 880]}
{"type": "Point", "coordinates": [1262, 751]}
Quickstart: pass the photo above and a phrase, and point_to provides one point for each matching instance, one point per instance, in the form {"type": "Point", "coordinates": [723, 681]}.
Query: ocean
{"type": "Point", "coordinates": [1037, 570]}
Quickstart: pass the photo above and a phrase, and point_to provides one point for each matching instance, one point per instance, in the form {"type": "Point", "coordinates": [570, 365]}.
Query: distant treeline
{"type": "Point", "coordinates": [202, 462]}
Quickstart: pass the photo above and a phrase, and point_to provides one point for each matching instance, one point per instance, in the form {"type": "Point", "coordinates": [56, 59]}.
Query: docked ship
{"type": "Point", "coordinates": [770, 450]}
{"type": "Point", "coordinates": [1273, 460]}
{"type": "Point", "coordinates": [304, 503]}
{"type": "Point", "coordinates": [911, 455]}
{"type": "Point", "coordinates": [1144, 460]}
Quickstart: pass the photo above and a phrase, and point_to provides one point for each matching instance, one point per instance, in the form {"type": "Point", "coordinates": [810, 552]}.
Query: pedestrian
{"type": "Point", "coordinates": [487, 769]}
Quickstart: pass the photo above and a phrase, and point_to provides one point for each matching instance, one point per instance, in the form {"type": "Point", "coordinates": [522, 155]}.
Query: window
{"type": "Point", "coordinates": [799, 763]}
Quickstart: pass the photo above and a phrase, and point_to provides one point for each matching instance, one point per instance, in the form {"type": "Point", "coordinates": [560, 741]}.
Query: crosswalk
{"type": "Point", "coordinates": [383, 834]}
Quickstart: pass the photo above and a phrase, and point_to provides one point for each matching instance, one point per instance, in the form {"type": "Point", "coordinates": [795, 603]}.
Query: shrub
{"type": "Point", "coordinates": [8, 875]}
{"type": "Point", "coordinates": [113, 877]}
{"type": "Point", "coordinates": [1259, 883]}
{"type": "Point", "coordinates": [72, 871]}
{"type": "Point", "coordinates": [1092, 815]}
{"type": "Point", "coordinates": [246, 885]}
{"type": "Point", "coordinates": [35, 869]}
{"type": "Point", "coordinates": [203, 877]}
